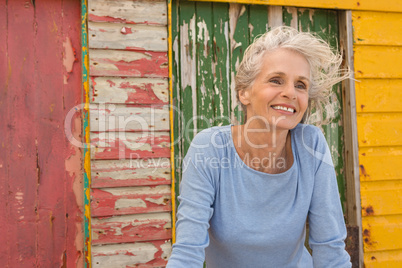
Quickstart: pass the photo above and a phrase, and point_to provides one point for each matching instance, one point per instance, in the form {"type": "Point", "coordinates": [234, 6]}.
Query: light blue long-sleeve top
{"type": "Point", "coordinates": [234, 216]}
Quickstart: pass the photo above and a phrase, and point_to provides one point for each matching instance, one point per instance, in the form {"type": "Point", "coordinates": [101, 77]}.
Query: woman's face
{"type": "Point", "coordinates": [279, 95]}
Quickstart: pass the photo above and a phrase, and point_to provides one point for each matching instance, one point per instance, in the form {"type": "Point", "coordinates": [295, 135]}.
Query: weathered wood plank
{"type": "Point", "coordinates": [258, 21]}
{"type": "Point", "coordinates": [289, 15]}
{"type": "Point", "coordinates": [388, 258]}
{"type": "Point", "coordinates": [351, 151]}
{"type": "Point", "coordinates": [379, 129]}
{"type": "Point", "coordinates": [378, 95]}
{"type": "Point", "coordinates": [374, 194]}
{"type": "Point", "coordinates": [382, 233]}
{"type": "Point", "coordinates": [131, 228]}
{"type": "Point", "coordinates": [21, 126]}
{"type": "Point", "coordinates": [49, 139]}
{"type": "Point", "coordinates": [122, 145]}
{"type": "Point", "coordinates": [176, 94]}
{"type": "Point", "coordinates": [72, 166]}
{"type": "Point", "coordinates": [141, 255]}
{"type": "Point", "coordinates": [391, 6]}
{"type": "Point", "coordinates": [220, 13]}
{"type": "Point", "coordinates": [204, 51]}
{"type": "Point", "coordinates": [128, 63]}
{"type": "Point", "coordinates": [130, 200]}
{"type": "Point", "coordinates": [275, 16]}
{"type": "Point", "coordinates": [133, 172]}
{"type": "Point", "coordinates": [129, 90]}
{"type": "Point", "coordinates": [379, 163]}
{"type": "Point", "coordinates": [117, 117]}
{"type": "Point", "coordinates": [378, 62]}
{"type": "Point", "coordinates": [127, 37]}
{"type": "Point", "coordinates": [377, 28]}
{"type": "Point", "coordinates": [5, 145]}
{"type": "Point", "coordinates": [128, 11]}
{"type": "Point", "coordinates": [188, 102]}
{"type": "Point", "coordinates": [238, 36]}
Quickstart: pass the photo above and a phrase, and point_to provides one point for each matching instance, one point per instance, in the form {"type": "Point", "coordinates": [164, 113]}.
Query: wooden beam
{"type": "Point", "coordinates": [373, 5]}
{"type": "Point", "coordinates": [353, 208]}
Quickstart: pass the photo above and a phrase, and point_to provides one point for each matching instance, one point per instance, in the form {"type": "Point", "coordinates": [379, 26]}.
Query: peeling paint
{"type": "Point", "coordinates": [69, 57]}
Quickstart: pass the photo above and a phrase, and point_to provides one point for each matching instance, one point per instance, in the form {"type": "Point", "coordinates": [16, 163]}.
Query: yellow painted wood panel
{"type": "Point", "coordinates": [379, 129]}
{"type": "Point", "coordinates": [377, 28]}
{"type": "Point", "coordinates": [378, 95]}
{"type": "Point", "coordinates": [391, 5]}
{"type": "Point", "coordinates": [383, 259]}
{"type": "Point", "coordinates": [381, 198]}
{"type": "Point", "coordinates": [382, 233]}
{"type": "Point", "coordinates": [378, 163]}
{"type": "Point", "coordinates": [378, 62]}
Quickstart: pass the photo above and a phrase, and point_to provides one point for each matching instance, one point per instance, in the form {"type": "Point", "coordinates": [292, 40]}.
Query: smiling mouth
{"type": "Point", "coordinates": [283, 108]}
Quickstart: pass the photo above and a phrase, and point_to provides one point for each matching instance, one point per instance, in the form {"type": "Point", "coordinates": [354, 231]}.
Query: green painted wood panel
{"type": "Point", "coordinates": [207, 54]}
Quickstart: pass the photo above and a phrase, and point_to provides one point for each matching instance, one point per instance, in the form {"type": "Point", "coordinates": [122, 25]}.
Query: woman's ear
{"type": "Point", "coordinates": [244, 96]}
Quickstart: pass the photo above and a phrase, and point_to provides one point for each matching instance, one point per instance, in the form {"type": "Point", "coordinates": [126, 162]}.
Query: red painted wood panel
{"type": "Point", "coordinates": [130, 200]}
{"type": "Point", "coordinates": [132, 172]}
{"type": "Point", "coordinates": [73, 174]}
{"type": "Point", "coordinates": [43, 217]}
{"type": "Point", "coordinates": [131, 228]}
{"type": "Point", "coordinates": [141, 254]}
{"type": "Point", "coordinates": [128, 11]}
{"type": "Point", "coordinates": [127, 145]}
{"type": "Point", "coordinates": [4, 135]}
{"type": "Point", "coordinates": [127, 118]}
{"type": "Point", "coordinates": [21, 199]}
{"type": "Point", "coordinates": [129, 90]}
{"type": "Point", "coordinates": [128, 63]}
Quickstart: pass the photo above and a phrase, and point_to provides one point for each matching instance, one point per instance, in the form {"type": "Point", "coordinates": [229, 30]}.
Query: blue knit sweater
{"type": "Point", "coordinates": [231, 215]}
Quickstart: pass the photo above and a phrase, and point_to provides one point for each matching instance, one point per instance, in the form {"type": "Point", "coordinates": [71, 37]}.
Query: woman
{"type": "Point", "coordinates": [248, 190]}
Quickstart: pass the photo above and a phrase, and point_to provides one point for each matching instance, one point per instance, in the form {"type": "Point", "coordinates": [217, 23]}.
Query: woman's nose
{"type": "Point", "coordinates": [289, 91]}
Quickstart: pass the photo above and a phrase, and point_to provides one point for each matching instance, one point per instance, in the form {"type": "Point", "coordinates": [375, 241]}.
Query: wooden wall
{"type": "Point", "coordinates": [378, 56]}
{"type": "Point", "coordinates": [40, 170]}
{"type": "Point", "coordinates": [130, 134]}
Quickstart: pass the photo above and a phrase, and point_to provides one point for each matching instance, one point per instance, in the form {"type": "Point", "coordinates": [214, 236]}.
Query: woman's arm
{"type": "Point", "coordinates": [327, 227]}
{"type": "Point", "coordinates": [197, 194]}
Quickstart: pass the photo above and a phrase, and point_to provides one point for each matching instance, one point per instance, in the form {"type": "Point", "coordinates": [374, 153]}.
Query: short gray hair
{"type": "Point", "coordinates": [324, 66]}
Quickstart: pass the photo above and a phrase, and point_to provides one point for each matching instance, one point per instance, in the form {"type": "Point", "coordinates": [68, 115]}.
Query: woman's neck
{"type": "Point", "coordinates": [264, 149]}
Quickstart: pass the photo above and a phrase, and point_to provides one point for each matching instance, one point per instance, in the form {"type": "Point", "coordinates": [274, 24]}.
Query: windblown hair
{"type": "Point", "coordinates": [324, 67]}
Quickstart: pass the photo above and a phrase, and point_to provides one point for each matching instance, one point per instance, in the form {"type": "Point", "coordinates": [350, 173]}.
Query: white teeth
{"type": "Point", "coordinates": [277, 107]}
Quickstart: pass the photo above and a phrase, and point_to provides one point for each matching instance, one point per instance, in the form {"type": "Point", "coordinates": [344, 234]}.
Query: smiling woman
{"type": "Point", "coordinates": [254, 214]}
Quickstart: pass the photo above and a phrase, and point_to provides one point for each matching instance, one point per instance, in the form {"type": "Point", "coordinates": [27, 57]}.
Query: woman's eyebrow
{"type": "Point", "coordinates": [282, 74]}
{"type": "Point", "coordinates": [304, 78]}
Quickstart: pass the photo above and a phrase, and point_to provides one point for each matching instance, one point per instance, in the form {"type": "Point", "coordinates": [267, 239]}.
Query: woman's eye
{"type": "Point", "coordinates": [275, 81]}
{"type": "Point", "coordinates": [301, 86]}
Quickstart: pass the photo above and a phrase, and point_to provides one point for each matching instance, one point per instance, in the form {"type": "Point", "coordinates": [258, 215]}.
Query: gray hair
{"type": "Point", "coordinates": [324, 66]}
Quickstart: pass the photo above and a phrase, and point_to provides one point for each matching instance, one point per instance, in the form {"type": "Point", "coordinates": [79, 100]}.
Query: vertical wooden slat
{"type": "Point", "coordinates": [23, 165]}
{"type": "Point", "coordinates": [51, 214]}
{"type": "Point", "coordinates": [86, 135]}
{"type": "Point", "coordinates": [289, 15]}
{"type": "Point", "coordinates": [177, 127]}
{"type": "Point", "coordinates": [4, 137]}
{"type": "Point", "coordinates": [205, 70]}
{"type": "Point", "coordinates": [258, 21]}
{"type": "Point", "coordinates": [275, 16]}
{"type": "Point", "coordinates": [188, 69]}
{"type": "Point", "coordinates": [352, 180]}
{"type": "Point", "coordinates": [238, 33]}
{"type": "Point", "coordinates": [221, 63]}
{"type": "Point", "coordinates": [73, 177]}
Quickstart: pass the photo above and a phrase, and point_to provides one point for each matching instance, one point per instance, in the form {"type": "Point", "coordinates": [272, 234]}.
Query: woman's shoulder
{"type": "Point", "coordinates": [217, 135]}
{"type": "Point", "coordinates": [211, 141]}
{"type": "Point", "coordinates": [311, 143]}
{"type": "Point", "coordinates": [308, 134]}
